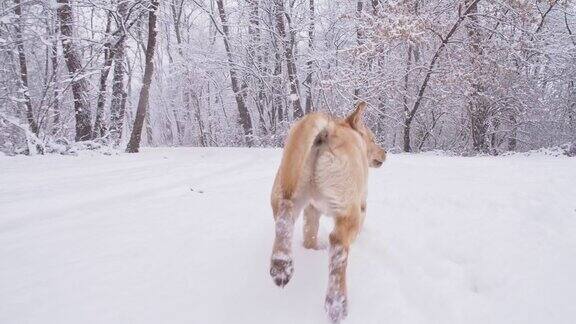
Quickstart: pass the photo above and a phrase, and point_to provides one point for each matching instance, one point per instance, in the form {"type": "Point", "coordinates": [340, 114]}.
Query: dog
{"type": "Point", "coordinates": [324, 170]}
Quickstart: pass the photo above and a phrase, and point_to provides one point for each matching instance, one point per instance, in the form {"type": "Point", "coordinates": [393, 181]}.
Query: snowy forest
{"type": "Point", "coordinates": [247, 203]}
{"type": "Point", "coordinates": [467, 76]}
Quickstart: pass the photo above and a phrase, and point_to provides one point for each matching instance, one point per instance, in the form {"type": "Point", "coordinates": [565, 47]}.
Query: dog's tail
{"type": "Point", "coordinates": [304, 139]}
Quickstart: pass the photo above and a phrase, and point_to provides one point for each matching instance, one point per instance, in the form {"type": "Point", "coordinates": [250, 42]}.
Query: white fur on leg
{"type": "Point", "coordinates": [336, 303]}
{"type": "Point", "coordinates": [281, 265]}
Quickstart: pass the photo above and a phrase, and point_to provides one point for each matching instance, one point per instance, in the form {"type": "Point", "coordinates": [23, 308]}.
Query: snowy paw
{"type": "Point", "coordinates": [336, 306]}
{"type": "Point", "coordinates": [281, 269]}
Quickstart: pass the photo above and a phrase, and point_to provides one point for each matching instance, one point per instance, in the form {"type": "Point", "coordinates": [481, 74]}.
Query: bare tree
{"type": "Point", "coordinates": [99, 126]}
{"type": "Point", "coordinates": [56, 89]}
{"type": "Point", "coordinates": [444, 41]}
{"type": "Point", "coordinates": [255, 61]}
{"type": "Point", "coordinates": [287, 47]}
{"type": "Point", "coordinates": [74, 64]}
{"type": "Point", "coordinates": [134, 143]}
{"type": "Point", "coordinates": [118, 101]}
{"type": "Point", "coordinates": [24, 68]}
{"type": "Point", "coordinates": [245, 120]}
{"type": "Point", "coordinates": [310, 63]}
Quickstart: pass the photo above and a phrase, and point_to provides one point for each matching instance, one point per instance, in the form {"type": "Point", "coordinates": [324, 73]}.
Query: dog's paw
{"type": "Point", "coordinates": [281, 269]}
{"type": "Point", "coordinates": [336, 307]}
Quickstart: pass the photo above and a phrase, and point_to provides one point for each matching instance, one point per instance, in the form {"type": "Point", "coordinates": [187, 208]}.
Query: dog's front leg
{"type": "Point", "coordinates": [345, 230]}
{"type": "Point", "coordinates": [281, 265]}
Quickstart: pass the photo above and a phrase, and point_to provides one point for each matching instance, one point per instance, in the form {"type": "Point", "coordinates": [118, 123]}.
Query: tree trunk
{"type": "Point", "coordinates": [278, 114]}
{"type": "Point", "coordinates": [245, 120]}
{"type": "Point", "coordinates": [134, 144]}
{"type": "Point", "coordinates": [310, 62]}
{"type": "Point", "coordinates": [512, 140]}
{"type": "Point", "coordinates": [255, 60]}
{"type": "Point", "coordinates": [56, 88]}
{"type": "Point", "coordinates": [176, 9]}
{"type": "Point", "coordinates": [478, 109]}
{"type": "Point", "coordinates": [407, 147]}
{"type": "Point", "coordinates": [280, 12]}
{"type": "Point", "coordinates": [360, 40]}
{"type": "Point", "coordinates": [407, 142]}
{"type": "Point", "coordinates": [24, 68]}
{"type": "Point", "coordinates": [99, 125]}
{"type": "Point", "coordinates": [202, 136]}
{"type": "Point", "coordinates": [118, 101]}
{"type": "Point", "coordinates": [74, 65]}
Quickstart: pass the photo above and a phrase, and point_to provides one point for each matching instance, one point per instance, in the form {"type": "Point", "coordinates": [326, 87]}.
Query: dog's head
{"type": "Point", "coordinates": [376, 154]}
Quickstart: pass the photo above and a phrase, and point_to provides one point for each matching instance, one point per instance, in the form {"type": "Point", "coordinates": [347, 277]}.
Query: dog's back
{"type": "Point", "coordinates": [300, 152]}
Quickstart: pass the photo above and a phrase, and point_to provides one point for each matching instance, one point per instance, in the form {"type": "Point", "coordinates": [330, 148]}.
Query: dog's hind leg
{"type": "Point", "coordinates": [345, 230]}
{"type": "Point", "coordinates": [311, 224]}
{"type": "Point", "coordinates": [281, 265]}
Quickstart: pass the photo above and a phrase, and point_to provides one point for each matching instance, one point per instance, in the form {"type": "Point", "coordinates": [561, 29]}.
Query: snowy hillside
{"type": "Point", "coordinates": [184, 236]}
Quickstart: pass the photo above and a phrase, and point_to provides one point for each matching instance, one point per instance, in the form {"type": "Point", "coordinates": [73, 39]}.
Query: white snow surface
{"type": "Point", "coordinates": [185, 235]}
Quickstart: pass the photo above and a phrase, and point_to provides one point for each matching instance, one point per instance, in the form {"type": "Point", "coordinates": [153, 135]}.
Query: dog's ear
{"type": "Point", "coordinates": [355, 119]}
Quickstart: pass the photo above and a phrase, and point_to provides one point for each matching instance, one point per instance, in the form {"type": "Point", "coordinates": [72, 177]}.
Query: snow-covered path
{"type": "Point", "coordinates": [184, 236]}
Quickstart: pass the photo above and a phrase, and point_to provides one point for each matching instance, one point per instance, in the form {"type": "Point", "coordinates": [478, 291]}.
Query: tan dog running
{"type": "Point", "coordinates": [324, 170]}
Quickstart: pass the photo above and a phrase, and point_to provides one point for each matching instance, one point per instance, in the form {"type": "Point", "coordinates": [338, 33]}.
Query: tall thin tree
{"type": "Point", "coordinates": [134, 143]}
{"type": "Point", "coordinates": [245, 120]}
{"type": "Point", "coordinates": [310, 62]}
{"type": "Point", "coordinates": [288, 46]}
{"type": "Point", "coordinates": [73, 60]}
{"type": "Point", "coordinates": [118, 101]}
{"type": "Point", "coordinates": [24, 68]}
{"type": "Point", "coordinates": [99, 125]}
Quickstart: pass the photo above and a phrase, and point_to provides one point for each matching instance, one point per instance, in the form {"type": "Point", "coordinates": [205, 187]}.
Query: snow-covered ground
{"type": "Point", "coordinates": [184, 236]}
